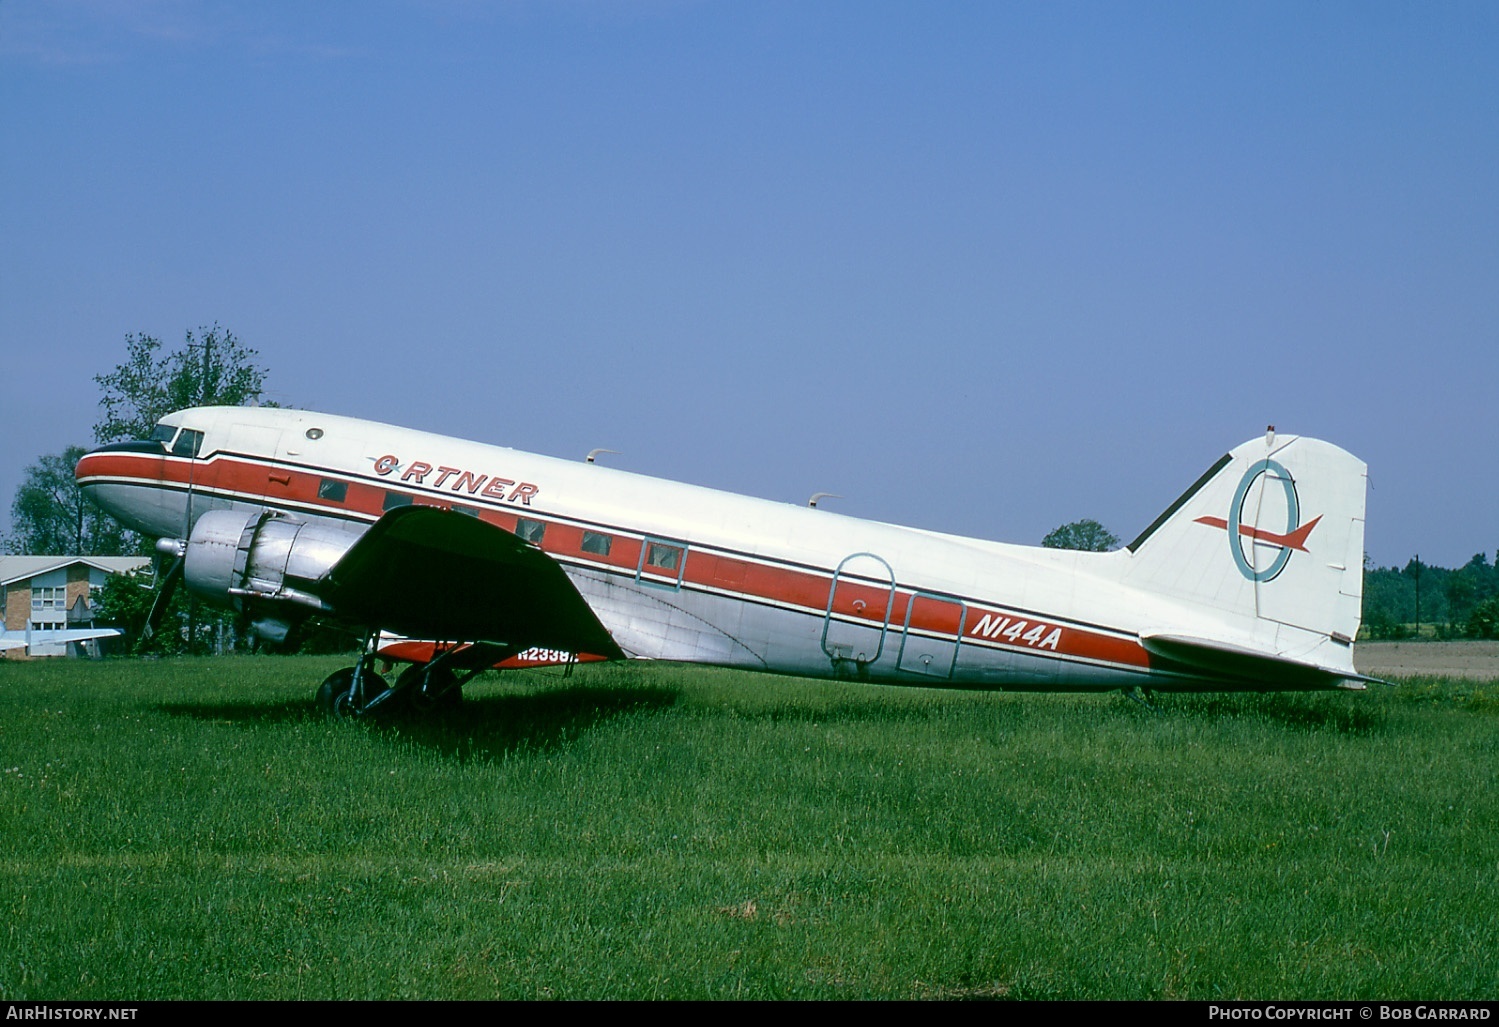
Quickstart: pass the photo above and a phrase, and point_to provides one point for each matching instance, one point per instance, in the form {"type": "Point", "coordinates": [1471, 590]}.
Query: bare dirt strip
{"type": "Point", "coordinates": [1474, 660]}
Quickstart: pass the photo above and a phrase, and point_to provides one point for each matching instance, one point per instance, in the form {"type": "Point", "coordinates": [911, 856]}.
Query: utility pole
{"type": "Point", "coordinates": [1416, 573]}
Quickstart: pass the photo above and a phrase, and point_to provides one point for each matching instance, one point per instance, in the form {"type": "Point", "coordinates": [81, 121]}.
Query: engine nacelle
{"type": "Point", "coordinates": [264, 565]}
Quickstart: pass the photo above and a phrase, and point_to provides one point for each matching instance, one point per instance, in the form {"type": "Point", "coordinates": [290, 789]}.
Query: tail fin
{"type": "Point", "coordinates": [1272, 534]}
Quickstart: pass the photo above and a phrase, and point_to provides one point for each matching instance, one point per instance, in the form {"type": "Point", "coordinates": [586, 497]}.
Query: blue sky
{"type": "Point", "coordinates": [978, 267]}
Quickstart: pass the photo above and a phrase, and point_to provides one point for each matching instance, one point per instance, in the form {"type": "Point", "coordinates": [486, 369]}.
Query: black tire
{"type": "Point", "coordinates": [423, 702]}
{"type": "Point", "coordinates": [333, 693]}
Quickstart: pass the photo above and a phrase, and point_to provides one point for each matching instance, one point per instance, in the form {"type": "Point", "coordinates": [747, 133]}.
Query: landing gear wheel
{"type": "Point", "coordinates": [441, 695]}
{"type": "Point", "coordinates": [333, 693]}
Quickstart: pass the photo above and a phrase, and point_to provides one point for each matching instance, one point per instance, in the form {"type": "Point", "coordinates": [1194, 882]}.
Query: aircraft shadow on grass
{"type": "Point", "coordinates": [483, 727]}
{"type": "Point", "coordinates": [1306, 712]}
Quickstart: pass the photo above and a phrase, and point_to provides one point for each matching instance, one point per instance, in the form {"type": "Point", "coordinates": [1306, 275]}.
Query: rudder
{"type": "Point", "coordinates": [1273, 532]}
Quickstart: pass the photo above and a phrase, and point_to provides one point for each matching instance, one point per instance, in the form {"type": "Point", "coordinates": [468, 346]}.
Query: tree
{"type": "Point", "coordinates": [50, 517]}
{"type": "Point", "coordinates": [186, 626]}
{"type": "Point", "coordinates": [1484, 621]}
{"type": "Point", "coordinates": [125, 602]}
{"type": "Point", "coordinates": [1087, 535]}
{"type": "Point", "coordinates": [211, 369]}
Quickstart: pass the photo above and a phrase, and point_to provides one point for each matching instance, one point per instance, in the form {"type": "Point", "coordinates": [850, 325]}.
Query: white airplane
{"type": "Point", "coordinates": [1252, 579]}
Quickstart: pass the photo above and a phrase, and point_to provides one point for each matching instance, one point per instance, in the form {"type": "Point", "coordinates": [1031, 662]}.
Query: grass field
{"type": "Point", "coordinates": [190, 829]}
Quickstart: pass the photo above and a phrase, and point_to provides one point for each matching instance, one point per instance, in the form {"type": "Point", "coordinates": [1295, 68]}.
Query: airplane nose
{"type": "Point", "coordinates": [95, 462]}
{"type": "Point", "coordinates": [91, 461]}
{"type": "Point", "coordinates": [120, 480]}
{"type": "Point", "coordinates": [83, 470]}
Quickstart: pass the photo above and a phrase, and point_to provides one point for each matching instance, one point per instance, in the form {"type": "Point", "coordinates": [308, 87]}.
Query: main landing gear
{"type": "Point", "coordinates": [430, 687]}
{"type": "Point", "coordinates": [358, 692]}
{"type": "Point", "coordinates": [354, 692]}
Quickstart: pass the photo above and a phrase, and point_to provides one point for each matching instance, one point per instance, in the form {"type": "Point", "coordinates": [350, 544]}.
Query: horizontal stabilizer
{"type": "Point", "coordinates": [1249, 666]}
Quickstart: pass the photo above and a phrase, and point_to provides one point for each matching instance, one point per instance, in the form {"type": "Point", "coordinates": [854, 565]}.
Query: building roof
{"type": "Point", "coordinates": [22, 568]}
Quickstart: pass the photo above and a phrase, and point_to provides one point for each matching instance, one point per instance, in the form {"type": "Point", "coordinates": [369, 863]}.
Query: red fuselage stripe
{"type": "Point", "coordinates": [755, 580]}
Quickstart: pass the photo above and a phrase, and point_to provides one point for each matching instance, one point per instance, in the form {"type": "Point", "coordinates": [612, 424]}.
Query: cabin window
{"type": "Point", "coordinates": [597, 544]}
{"type": "Point", "coordinates": [663, 556]}
{"type": "Point", "coordinates": [395, 499]}
{"type": "Point", "coordinates": [661, 563]}
{"type": "Point", "coordinates": [529, 530]}
{"type": "Point", "coordinates": [333, 491]}
{"type": "Point", "coordinates": [467, 511]}
{"type": "Point", "coordinates": [163, 433]}
{"type": "Point", "coordinates": [188, 443]}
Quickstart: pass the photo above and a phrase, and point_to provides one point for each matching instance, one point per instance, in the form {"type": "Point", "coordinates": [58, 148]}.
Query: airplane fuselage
{"type": "Point", "coordinates": [680, 572]}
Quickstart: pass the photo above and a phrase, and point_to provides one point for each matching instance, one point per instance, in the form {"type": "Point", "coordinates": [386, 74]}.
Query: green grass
{"type": "Point", "coordinates": [190, 829]}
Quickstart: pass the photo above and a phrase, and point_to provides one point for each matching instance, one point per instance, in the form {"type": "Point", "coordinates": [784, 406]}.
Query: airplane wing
{"type": "Point", "coordinates": [62, 637]}
{"type": "Point", "coordinates": [425, 572]}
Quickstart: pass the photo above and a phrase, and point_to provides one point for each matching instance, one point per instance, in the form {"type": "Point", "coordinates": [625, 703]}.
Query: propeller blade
{"type": "Point", "coordinates": [169, 583]}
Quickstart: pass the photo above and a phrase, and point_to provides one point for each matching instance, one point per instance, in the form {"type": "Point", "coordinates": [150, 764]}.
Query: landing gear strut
{"type": "Point", "coordinates": [356, 691]}
{"type": "Point", "coordinates": [1143, 696]}
{"type": "Point", "coordinates": [436, 687]}
{"type": "Point", "coordinates": [430, 687]}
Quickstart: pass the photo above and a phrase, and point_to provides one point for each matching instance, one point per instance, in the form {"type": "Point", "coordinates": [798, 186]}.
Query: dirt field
{"type": "Point", "coordinates": [1477, 660]}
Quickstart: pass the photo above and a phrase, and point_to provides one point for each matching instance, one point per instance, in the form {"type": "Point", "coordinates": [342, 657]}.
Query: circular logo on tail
{"type": "Point", "coordinates": [1249, 542]}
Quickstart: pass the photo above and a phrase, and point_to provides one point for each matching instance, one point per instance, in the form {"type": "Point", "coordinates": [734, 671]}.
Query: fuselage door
{"type": "Point", "coordinates": [252, 448]}
{"type": "Point", "coordinates": [860, 602]}
{"type": "Point", "coordinates": [929, 639]}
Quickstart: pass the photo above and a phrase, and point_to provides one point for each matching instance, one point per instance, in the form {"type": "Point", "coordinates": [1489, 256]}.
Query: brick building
{"type": "Point", "coordinates": [54, 593]}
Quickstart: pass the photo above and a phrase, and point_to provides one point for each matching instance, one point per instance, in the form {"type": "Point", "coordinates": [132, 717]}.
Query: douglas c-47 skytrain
{"type": "Point", "coordinates": [1251, 580]}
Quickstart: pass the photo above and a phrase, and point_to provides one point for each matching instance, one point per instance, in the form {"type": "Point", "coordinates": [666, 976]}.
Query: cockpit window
{"type": "Point", "coordinates": [188, 443]}
{"type": "Point", "coordinates": [163, 432]}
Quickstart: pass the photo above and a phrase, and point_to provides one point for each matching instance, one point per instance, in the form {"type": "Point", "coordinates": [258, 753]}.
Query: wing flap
{"type": "Point", "coordinates": [431, 573]}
